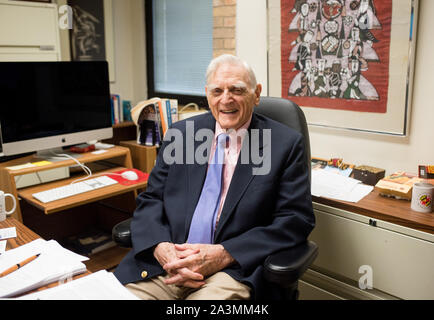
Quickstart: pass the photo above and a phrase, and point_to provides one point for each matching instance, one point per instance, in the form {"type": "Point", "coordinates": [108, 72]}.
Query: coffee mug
{"type": "Point", "coordinates": [421, 198]}
{"type": "Point", "coordinates": [3, 211]}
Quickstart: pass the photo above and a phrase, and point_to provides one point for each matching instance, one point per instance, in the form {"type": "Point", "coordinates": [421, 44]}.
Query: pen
{"type": "Point", "coordinates": [18, 265]}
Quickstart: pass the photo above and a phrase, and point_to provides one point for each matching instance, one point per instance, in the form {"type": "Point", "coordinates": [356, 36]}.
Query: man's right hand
{"type": "Point", "coordinates": [165, 252]}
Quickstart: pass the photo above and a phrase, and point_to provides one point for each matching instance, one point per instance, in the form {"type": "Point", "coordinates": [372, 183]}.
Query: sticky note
{"type": "Point", "coordinates": [8, 233]}
{"type": "Point", "coordinates": [41, 163]}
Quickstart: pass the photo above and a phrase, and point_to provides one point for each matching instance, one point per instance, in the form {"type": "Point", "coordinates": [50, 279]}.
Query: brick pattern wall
{"type": "Point", "coordinates": [224, 13]}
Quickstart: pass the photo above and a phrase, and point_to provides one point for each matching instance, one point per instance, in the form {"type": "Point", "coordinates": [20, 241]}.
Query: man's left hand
{"type": "Point", "coordinates": [210, 259]}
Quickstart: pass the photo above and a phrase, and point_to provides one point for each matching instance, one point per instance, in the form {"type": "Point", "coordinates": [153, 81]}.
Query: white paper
{"type": "Point", "coordinates": [331, 185]}
{"type": "Point", "coordinates": [7, 233]}
{"type": "Point", "coordinates": [99, 151]}
{"type": "Point", "coordinates": [359, 192]}
{"type": "Point", "coordinates": [101, 285]}
{"type": "Point", "coordinates": [2, 246]}
{"type": "Point", "coordinates": [54, 263]}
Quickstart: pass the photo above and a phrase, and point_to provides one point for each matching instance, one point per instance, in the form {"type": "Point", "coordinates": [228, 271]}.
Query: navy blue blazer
{"type": "Point", "coordinates": [262, 214]}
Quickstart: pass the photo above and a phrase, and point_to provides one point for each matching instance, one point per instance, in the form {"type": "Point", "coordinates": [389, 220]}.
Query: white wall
{"type": "Point", "coordinates": [388, 152]}
{"type": "Point", "coordinates": [130, 53]}
{"type": "Point", "coordinates": [253, 31]}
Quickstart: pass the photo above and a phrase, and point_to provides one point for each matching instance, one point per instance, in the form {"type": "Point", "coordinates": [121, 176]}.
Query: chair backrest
{"type": "Point", "coordinates": [287, 113]}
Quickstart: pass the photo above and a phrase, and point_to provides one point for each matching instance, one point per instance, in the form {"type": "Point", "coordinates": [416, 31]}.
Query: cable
{"type": "Point", "coordinates": [98, 175]}
{"type": "Point", "coordinates": [85, 168]}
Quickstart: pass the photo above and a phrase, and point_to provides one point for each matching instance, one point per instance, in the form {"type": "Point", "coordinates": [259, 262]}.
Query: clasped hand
{"type": "Point", "coordinates": [188, 264]}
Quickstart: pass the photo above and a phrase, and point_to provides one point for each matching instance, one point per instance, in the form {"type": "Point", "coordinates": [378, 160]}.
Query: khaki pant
{"type": "Point", "coordinates": [219, 286]}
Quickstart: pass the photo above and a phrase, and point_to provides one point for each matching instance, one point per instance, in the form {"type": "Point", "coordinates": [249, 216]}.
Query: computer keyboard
{"type": "Point", "coordinates": [73, 189]}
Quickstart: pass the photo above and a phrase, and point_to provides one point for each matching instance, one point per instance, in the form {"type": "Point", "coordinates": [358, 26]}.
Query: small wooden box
{"type": "Point", "coordinates": [368, 175]}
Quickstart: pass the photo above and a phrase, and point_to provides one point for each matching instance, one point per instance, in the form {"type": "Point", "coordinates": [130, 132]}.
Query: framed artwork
{"type": "Point", "coordinates": [349, 63]}
{"type": "Point", "coordinates": [91, 37]}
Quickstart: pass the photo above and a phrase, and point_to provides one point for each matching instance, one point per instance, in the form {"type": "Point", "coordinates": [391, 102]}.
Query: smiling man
{"type": "Point", "coordinates": [203, 231]}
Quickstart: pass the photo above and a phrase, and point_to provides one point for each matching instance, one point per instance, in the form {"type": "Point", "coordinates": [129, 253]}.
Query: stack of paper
{"type": "Point", "coordinates": [54, 263]}
{"type": "Point", "coordinates": [101, 285]}
{"type": "Point", "coordinates": [331, 185]}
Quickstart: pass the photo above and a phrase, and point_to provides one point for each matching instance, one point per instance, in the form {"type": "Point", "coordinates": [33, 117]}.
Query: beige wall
{"type": "Point", "coordinates": [130, 52]}
{"type": "Point", "coordinates": [388, 152]}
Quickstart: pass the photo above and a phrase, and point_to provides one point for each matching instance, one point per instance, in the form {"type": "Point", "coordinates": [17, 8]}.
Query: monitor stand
{"type": "Point", "coordinates": [55, 155]}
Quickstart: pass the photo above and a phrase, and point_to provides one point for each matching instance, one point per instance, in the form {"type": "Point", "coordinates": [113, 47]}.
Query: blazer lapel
{"type": "Point", "coordinates": [240, 180]}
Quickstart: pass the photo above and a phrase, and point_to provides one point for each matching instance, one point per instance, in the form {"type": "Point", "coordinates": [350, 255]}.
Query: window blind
{"type": "Point", "coordinates": [182, 38]}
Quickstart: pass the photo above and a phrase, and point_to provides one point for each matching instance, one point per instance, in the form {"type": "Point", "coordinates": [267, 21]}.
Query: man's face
{"type": "Point", "coordinates": [230, 98]}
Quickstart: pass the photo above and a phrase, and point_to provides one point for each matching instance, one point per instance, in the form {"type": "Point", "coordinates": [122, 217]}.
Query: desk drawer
{"type": "Point", "coordinates": [402, 265]}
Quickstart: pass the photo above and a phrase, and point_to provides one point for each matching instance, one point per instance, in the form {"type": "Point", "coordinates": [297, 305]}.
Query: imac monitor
{"type": "Point", "coordinates": [47, 105]}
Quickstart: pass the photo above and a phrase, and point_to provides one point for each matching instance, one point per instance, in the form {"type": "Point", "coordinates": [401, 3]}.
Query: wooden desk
{"type": "Point", "coordinates": [119, 156]}
{"type": "Point", "coordinates": [378, 233]}
{"type": "Point", "coordinates": [38, 215]}
{"type": "Point", "coordinates": [386, 209]}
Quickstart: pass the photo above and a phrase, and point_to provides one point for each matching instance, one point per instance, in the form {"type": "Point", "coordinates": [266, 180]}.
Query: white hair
{"type": "Point", "coordinates": [231, 60]}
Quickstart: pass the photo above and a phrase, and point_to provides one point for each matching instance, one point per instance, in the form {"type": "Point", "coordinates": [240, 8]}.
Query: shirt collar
{"type": "Point", "coordinates": [219, 129]}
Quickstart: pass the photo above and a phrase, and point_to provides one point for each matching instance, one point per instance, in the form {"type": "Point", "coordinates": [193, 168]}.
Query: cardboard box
{"type": "Point", "coordinates": [398, 185]}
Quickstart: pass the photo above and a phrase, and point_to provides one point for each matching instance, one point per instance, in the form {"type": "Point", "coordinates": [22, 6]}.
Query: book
{"type": "Point", "coordinates": [174, 110]}
{"type": "Point", "coordinates": [146, 115]}
{"type": "Point", "coordinates": [89, 242]}
{"type": "Point", "coordinates": [158, 125]}
{"type": "Point", "coordinates": [126, 107]}
{"type": "Point", "coordinates": [163, 115]}
{"type": "Point", "coordinates": [54, 263]}
{"type": "Point", "coordinates": [117, 109]}
{"type": "Point", "coordinates": [397, 185]}
{"type": "Point", "coordinates": [168, 113]}
{"type": "Point", "coordinates": [112, 111]}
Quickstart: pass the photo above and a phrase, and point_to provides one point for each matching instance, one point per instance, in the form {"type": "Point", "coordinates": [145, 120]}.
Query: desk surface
{"type": "Point", "coordinates": [386, 209]}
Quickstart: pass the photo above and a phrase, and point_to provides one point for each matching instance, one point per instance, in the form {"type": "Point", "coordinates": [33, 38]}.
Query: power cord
{"type": "Point", "coordinates": [85, 168]}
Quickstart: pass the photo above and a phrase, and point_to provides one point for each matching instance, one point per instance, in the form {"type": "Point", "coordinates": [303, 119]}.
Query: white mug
{"type": "Point", "coordinates": [3, 211]}
{"type": "Point", "coordinates": [421, 198]}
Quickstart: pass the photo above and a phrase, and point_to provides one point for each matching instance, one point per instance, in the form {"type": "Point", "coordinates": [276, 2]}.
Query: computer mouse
{"type": "Point", "coordinates": [130, 175]}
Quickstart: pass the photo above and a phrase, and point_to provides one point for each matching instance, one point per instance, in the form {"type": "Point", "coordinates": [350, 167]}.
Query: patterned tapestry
{"type": "Point", "coordinates": [335, 53]}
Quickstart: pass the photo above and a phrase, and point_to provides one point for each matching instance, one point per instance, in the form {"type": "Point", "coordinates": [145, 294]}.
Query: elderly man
{"type": "Point", "coordinates": [203, 230]}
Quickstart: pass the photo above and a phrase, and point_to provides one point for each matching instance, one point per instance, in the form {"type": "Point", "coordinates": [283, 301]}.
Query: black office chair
{"type": "Point", "coordinates": [283, 268]}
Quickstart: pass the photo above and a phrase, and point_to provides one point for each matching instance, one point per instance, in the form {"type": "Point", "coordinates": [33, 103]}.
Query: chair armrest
{"type": "Point", "coordinates": [283, 267]}
{"type": "Point", "coordinates": [287, 266]}
{"type": "Point", "coordinates": [121, 233]}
